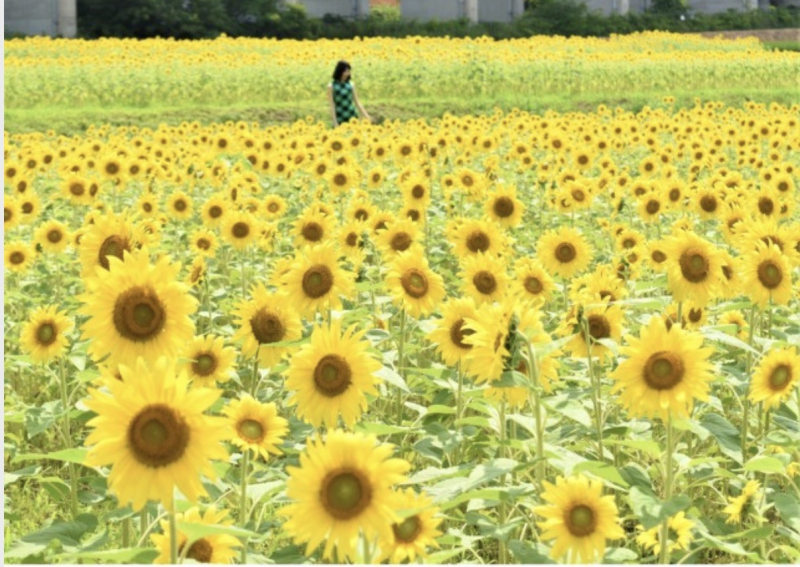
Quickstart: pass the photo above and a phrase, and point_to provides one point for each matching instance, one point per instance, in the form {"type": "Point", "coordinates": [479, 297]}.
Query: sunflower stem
{"type": "Point", "coordinates": [667, 491]}
{"type": "Point", "coordinates": [598, 418]}
{"type": "Point", "coordinates": [254, 383]}
{"type": "Point", "coordinates": [73, 480]}
{"type": "Point", "coordinates": [400, 348]}
{"type": "Point", "coordinates": [459, 409]}
{"type": "Point", "coordinates": [126, 532]}
{"type": "Point", "coordinates": [143, 522]}
{"type": "Point", "coordinates": [243, 500]}
{"type": "Point", "coordinates": [533, 376]}
{"type": "Point", "coordinates": [173, 537]}
{"type": "Point", "coordinates": [367, 554]}
{"type": "Point", "coordinates": [679, 322]}
{"type": "Point", "coordinates": [244, 279]}
{"type": "Point", "coordinates": [503, 559]}
{"type": "Point", "coordinates": [746, 414]}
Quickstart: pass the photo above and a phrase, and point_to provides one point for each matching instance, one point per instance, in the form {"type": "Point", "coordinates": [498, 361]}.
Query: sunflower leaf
{"type": "Point", "coordinates": [651, 510]}
{"type": "Point", "coordinates": [765, 465]}
{"type": "Point", "coordinates": [726, 435]}
{"type": "Point", "coordinates": [789, 508]}
{"type": "Point", "coordinates": [67, 455]}
{"type": "Point", "coordinates": [602, 470]}
{"type": "Point", "coordinates": [138, 555]}
{"type": "Point", "coordinates": [195, 531]}
{"type": "Point", "coordinates": [392, 378]}
{"type": "Point", "coordinates": [529, 553]}
{"type": "Point", "coordinates": [715, 335]}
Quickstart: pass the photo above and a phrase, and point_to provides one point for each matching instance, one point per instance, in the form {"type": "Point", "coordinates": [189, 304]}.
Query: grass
{"type": "Point", "coordinates": [782, 45]}
{"type": "Point", "coordinates": [70, 122]}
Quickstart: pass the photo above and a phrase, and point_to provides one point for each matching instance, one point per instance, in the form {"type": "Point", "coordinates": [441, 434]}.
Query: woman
{"type": "Point", "coordinates": [342, 96]}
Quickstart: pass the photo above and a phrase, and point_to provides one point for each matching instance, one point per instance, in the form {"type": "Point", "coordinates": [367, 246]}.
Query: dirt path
{"type": "Point", "coordinates": [763, 35]}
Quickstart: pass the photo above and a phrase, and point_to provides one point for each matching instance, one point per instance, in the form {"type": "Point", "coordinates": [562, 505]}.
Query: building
{"type": "Point", "coordinates": [41, 17]}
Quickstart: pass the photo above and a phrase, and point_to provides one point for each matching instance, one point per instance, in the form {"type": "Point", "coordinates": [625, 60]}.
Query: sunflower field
{"type": "Point", "coordinates": [508, 338]}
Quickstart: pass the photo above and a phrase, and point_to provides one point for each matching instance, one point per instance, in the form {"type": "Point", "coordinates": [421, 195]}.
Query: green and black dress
{"type": "Point", "coordinates": [343, 101]}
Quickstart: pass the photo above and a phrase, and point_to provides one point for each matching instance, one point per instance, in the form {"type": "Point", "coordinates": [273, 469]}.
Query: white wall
{"type": "Point", "coordinates": [31, 17]}
{"type": "Point", "coordinates": [714, 6]}
{"type": "Point", "coordinates": [426, 10]}
{"type": "Point", "coordinates": [500, 10]}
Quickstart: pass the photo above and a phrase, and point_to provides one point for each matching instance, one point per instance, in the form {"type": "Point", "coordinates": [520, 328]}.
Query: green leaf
{"type": "Point", "coordinates": [603, 470]}
{"type": "Point", "coordinates": [67, 455]}
{"type": "Point", "coordinates": [636, 476]}
{"type": "Point", "coordinates": [14, 476]}
{"type": "Point", "coordinates": [715, 335]}
{"type": "Point", "coordinates": [617, 555]}
{"type": "Point", "coordinates": [382, 428]}
{"type": "Point", "coordinates": [139, 555]}
{"type": "Point", "coordinates": [732, 548]}
{"type": "Point", "coordinates": [571, 409]}
{"type": "Point", "coordinates": [765, 465]}
{"type": "Point", "coordinates": [260, 490]}
{"type": "Point", "coordinates": [726, 435]}
{"type": "Point", "coordinates": [651, 510]}
{"type": "Point", "coordinates": [754, 533]}
{"type": "Point", "coordinates": [68, 533]}
{"type": "Point", "coordinates": [529, 553]}
{"type": "Point", "coordinates": [392, 378]}
{"type": "Point", "coordinates": [651, 448]}
{"type": "Point", "coordinates": [789, 508]}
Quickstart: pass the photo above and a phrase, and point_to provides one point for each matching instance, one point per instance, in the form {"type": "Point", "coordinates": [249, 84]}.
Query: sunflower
{"type": "Point", "coordinates": [341, 179]}
{"type": "Point", "coordinates": [413, 284]}
{"type": "Point", "coordinates": [579, 518]}
{"type": "Point", "coordinates": [651, 207]}
{"type": "Point", "coordinates": [214, 210]}
{"type": "Point", "coordinates": [547, 365]}
{"type": "Point", "coordinates": [487, 333]}
{"type": "Point", "coordinates": [414, 533]}
{"type": "Point", "coordinates": [680, 535]}
{"type": "Point", "coordinates": [401, 236]}
{"type": "Point", "coordinates": [76, 189]}
{"type": "Point", "coordinates": [52, 236]}
{"type": "Point", "coordinates": [600, 320]}
{"type": "Point", "coordinates": [331, 375]}
{"type": "Point", "coordinates": [18, 257]}
{"type": "Point", "coordinates": [108, 236]}
{"type": "Point", "coordinates": [110, 167]}
{"type": "Point", "coordinates": [29, 205]}
{"type": "Point", "coordinates": [416, 190]}
{"type": "Point", "coordinates": [196, 271]}
{"type": "Point", "coordinates": [316, 281]}
{"type": "Point", "coordinates": [11, 213]}
{"type": "Point", "coordinates": [740, 505]}
{"type": "Point", "coordinates": [265, 319]}
{"type": "Point", "coordinates": [255, 426]}
{"type": "Point", "coordinates": [154, 434]}
{"type": "Point", "coordinates": [736, 318]}
{"type": "Point", "coordinates": [204, 242]}
{"type": "Point", "coordinates": [375, 177]}
{"type": "Point", "coordinates": [694, 316]}
{"type": "Point", "coordinates": [767, 275]}
{"type": "Point", "coordinates": [484, 278]}
{"type": "Point", "coordinates": [775, 377]}
{"type": "Point", "coordinates": [138, 309]}
{"type": "Point", "coordinates": [563, 252]}
{"type": "Point", "coordinates": [343, 487]}
{"type": "Point", "coordinates": [209, 361]}
{"type": "Point", "coordinates": [381, 221]}
{"type": "Point", "coordinates": [147, 206]}
{"type": "Point", "coordinates": [312, 228]}
{"type": "Point", "coordinates": [274, 207]}
{"type": "Point", "coordinates": [239, 230]}
{"type": "Point", "coordinates": [665, 372]}
{"type": "Point", "coordinates": [215, 548]}
{"type": "Point", "coordinates": [351, 240]}
{"type": "Point", "coordinates": [693, 268]}
{"type": "Point", "coordinates": [44, 335]}
{"type": "Point", "coordinates": [708, 203]}
{"type": "Point", "coordinates": [450, 330]}
{"type": "Point", "coordinates": [503, 207]}
{"type": "Point", "coordinates": [476, 236]}
{"type": "Point", "coordinates": [532, 283]}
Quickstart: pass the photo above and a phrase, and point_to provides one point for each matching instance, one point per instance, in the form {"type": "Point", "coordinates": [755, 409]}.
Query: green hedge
{"type": "Point", "coordinates": [264, 18]}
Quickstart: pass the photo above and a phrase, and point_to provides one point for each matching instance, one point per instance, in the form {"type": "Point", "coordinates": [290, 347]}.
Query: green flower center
{"type": "Point", "coordinates": [345, 494]}
{"type": "Point", "coordinates": [580, 520]}
{"type": "Point", "coordinates": [408, 530]}
{"type": "Point", "coordinates": [780, 378]}
{"type": "Point", "coordinates": [46, 334]}
{"type": "Point", "coordinates": [251, 430]}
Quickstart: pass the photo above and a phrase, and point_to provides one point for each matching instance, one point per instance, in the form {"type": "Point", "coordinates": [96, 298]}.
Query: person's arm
{"type": "Point", "coordinates": [361, 109]}
{"type": "Point", "coordinates": [333, 107]}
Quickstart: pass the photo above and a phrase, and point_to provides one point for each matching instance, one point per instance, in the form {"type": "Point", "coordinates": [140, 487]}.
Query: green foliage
{"type": "Point", "coordinates": [268, 18]}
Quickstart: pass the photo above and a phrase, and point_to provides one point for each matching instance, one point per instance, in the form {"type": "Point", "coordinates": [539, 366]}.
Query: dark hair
{"type": "Point", "coordinates": [341, 67]}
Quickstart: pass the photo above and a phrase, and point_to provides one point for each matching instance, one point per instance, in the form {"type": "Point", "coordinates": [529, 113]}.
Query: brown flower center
{"type": "Point", "coordinates": [114, 245]}
{"type": "Point", "coordinates": [413, 214]}
{"type": "Point", "coordinates": [766, 205]}
{"type": "Point", "coordinates": [139, 314]}
{"type": "Point", "coordinates": [203, 243]}
{"type": "Point", "coordinates": [770, 274]}
{"type": "Point", "coordinates": [317, 281]}
{"type": "Point", "coordinates": [478, 241]}
{"type": "Point", "coordinates": [345, 493]}
{"type": "Point", "coordinates": [273, 207]}
{"type": "Point", "coordinates": [415, 283]}
{"type": "Point", "coordinates": [112, 168]}
{"type": "Point", "coordinates": [694, 265]}
{"type": "Point", "coordinates": [340, 179]}
{"type": "Point", "coordinates": [708, 203]}
{"type": "Point", "coordinates": [352, 239]}
{"type": "Point", "coordinates": [533, 285]}
{"type": "Point", "coordinates": [267, 327]}
{"type": "Point", "coordinates": [695, 315]}
{"type": "Point", "coordinates": [332, 375]}
{"type": "Point", "coordinates": [599, 327]}
{"type": "Point", "coordinates": [362, 214]}
{"type": "Point", "coordinates": [55, 236]}
{"type": "Point", "coordinates": [652, 207]}
{"type": "Point", "coordinates": [503, 207]}
{"type": "Point", "coordinates": [578, 195]}
{"type": "Point", "coordinates": [565, 252]}
{"type": "Point", "coordinates": [401, 241]}
{"type": "Point", "coordinates": [250, 430]}
{"type": "Point", "coordinates": [780, 378]}
{"type": "Point", "coordinates": [77, 189]}
{"type": "Point", "coordinates": [418, 192]}
{"type": "Point", "coordinates": [201, 551]}
{"type": "Point", "coordinates": [27, 207]}
{"type": "Point", "coordinates": [313, 231]}
{"type": "Point", "coordinates": [240, 230]}
{"type": "Point", "coordinates": [180, 205]}
{"type": "Point", "coordinates": [205, 364]}
{"type": "Point", "coordinates": [663, 370]}
{"type": "Point", "coordinates": [408, 530]}
{"type": "Point", "coordinates": [580, 520]}
{"type": "Point", "coordinates": [17, 258]}
{"type": "Point", "coordinates": [215, 211]}
{"type": "Point", "coordinates": [457, 333]}
{"type": "Point", "coordinates": [674, 195]}
{"type": "Point", "coordinates": [158, 436]}
{"type": "Point", "coordinates": [46, 334]}
{"type": "Point", "coordinates": [484, 282]}
{"type": "Point", "coordinates": [658, 256]}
